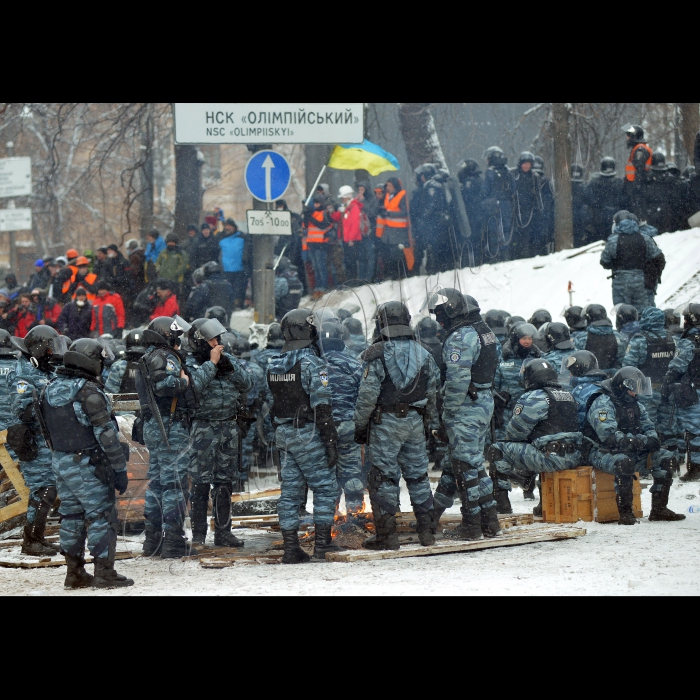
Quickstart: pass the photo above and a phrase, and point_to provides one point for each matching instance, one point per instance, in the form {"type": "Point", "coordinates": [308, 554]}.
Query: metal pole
{"type": "Point", "coordinates": [313, 189]}
{"type": "Point", "coordinates": [11, 205]}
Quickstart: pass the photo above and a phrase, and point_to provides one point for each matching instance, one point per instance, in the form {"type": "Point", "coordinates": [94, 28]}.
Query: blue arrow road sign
{"type": "Point", "coordinates": [267, 176]}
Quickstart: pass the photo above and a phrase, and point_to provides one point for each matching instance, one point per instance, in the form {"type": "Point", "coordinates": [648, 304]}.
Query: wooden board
{"type": "Point", "coordinates": [523, 536]}
{"type": "Point", "coordinates": [19, 507]}
{"type": "Point", "coordinates": [130, 506]}
{"type": "Point", "coordinates": [255, 495]}
{"type": "Point", "coordinates": [43, 564]}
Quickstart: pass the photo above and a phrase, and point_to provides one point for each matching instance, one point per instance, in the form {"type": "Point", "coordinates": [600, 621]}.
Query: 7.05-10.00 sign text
{"type": "Point", "coordinates": [272, 223]}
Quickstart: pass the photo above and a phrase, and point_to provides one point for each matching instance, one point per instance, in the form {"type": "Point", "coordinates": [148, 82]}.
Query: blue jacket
{"type": "Point", "coordinates": [153, 250]}
{"type": "Point", "coordinates": [232, 252]}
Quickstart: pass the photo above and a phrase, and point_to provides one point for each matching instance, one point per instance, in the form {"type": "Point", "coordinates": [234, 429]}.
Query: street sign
{"type": "Point", "coordinates": [16, 219]}
{"type": "Point", "coordinates": [272, 223]}
{"type": "Point", "coordinates": [15, 177]}
{"type": "Point", "coordinates": [267, 176]}
{"type": "Point", "coordinates": [270, 122]}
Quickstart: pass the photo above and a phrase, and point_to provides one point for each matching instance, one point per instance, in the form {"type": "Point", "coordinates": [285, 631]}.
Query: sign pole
{"type": "Point", "coordinates": [11, 205]}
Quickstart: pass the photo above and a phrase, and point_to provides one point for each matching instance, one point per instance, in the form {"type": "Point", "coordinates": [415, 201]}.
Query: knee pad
{"type": "Point", "coordinates": [417, 480]}
{"type": "Point", "coordinates": [625, 467]}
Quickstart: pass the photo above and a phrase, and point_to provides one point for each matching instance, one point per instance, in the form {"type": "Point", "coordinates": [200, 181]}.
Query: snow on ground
{"type": "Point", "coordinates": [647, 559]}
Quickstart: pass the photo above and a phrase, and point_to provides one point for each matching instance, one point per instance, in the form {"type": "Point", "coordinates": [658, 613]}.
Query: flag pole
{"type": "Point", "coordinates": [313, 189]}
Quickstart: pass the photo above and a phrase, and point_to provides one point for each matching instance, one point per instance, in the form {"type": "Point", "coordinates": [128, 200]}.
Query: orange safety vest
{"type": "Point", "coordinates": [90, 278]}
{"type": "Point", "coordinates": [393, 205]}
{"type": "Point", "coordinates": [314, 233]}
{"type": "Point", "coordinates": [630, 170]}
{"type": "Point", "coordinates": [67, 284]}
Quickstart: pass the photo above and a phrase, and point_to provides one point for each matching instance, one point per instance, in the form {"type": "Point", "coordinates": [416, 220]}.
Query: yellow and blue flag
{"type": "Point", "coordinates": [368, 156]}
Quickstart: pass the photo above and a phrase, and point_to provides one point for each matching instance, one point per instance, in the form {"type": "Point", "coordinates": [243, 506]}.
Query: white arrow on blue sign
{"type": "Point", "coordinates": [267, 176]}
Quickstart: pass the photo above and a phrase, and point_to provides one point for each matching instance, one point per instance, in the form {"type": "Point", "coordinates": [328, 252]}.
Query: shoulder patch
{"type": "Point", "coordinates": [22, 386]}
{"type": "Point", "coordinates": [170, 366]}
{"type": "Point", "coordinates": [518, 409]}
{"type": "Point", "coordinates": [602, 416]}
{"type": "Point", "coordinates": [455, 357]}
{"type": "Point", "coordinates": [323, 374]}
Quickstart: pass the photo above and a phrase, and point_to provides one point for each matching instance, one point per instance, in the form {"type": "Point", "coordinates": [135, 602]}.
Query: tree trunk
{"type": "Point", "coordinates": [690, 126]}
{"type": "Point", "coordinates": [563, 208]}
{"type": "Point", "coordinates": [188, 189]}
{"type": "Point", "coordinates": [419, 134]}
{"type": "Point", "coordinates": [146, 176]}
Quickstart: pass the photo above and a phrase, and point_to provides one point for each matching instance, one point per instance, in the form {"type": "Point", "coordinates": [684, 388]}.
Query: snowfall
{"type": "Point", "coordinates": [646, 559]}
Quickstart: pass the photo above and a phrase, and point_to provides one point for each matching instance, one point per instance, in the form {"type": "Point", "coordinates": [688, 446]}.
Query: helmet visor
{"type": "Point", "coordinates": [209, 330]}
{"type": "Point", "coordinates": [59, 346]}
{"type": "Point", "coordinates": [107, 354]}
{"type": "Point", "coordinates": [681, 312]}
{"type": "Point", "coordinates": [179, 324]}
{"type": "Point", "coordinates": [639, 385]}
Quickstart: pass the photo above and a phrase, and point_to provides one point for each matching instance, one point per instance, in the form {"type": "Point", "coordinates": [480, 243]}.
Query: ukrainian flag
{"type": "Point", "coordinates": [368, 157]}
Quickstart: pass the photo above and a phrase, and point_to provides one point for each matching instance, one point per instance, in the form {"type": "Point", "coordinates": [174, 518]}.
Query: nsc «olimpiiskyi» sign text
{"type": "Point", "coordinates": [269, 122]}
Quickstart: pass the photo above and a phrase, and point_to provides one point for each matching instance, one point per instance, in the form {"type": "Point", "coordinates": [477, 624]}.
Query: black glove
{"type": "Point", "coordinates": [361, 435]}
{"type": "Point", "coordinates": [121, 481]}
{"type": "Point", "coordinates": [651, 444]}
{"type": "Point", "coordinates": [441, 434]}
{"type": "Point", "coordinates": [332, 455]}
{"type": "Point", "coordinates": [631, 444]}
{"type": "Point", "coordinates": [329, 434]}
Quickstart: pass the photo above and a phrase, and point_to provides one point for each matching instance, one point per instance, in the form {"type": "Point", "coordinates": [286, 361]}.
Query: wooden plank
{"type": "Point", "coordinates": [255, 495]}
{"type": "Point", "coordinates": [17, 506]}
{"type": "Point", "coordinates": [529, 536]}
{"type": "Point", "coordinates": [43, 564]}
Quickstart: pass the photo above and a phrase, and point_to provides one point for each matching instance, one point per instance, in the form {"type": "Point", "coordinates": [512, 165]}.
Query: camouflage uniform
{"type": "Point", "coordinates": [603, 330]}
{"type": "Point", "coordinates": [688, 418]}
{"type": "Point", "coordinates": [397, 444]}
{"type": "Point", "coordinates": [167, 494]}
{"type": "Point", "coordinates": [116, 374]}
{"type": "Point", "coordinates": [356, 345]}
{"type": "Point", "coordinates": [467, 421]}
{"type": "Point", "coordinates": [345, 374]}
{"type": "Point", "coordinates": [661, 411]}
{"type": "Point", "coordinates": [302, 452]}
{"type": "Point", "coordinates": [526, 451]}
{"type": "Point", "coordinates": [555, 358]}
{"type": "Point", "coordinates": [38, 475]}
{"type": "Point", "coordinates": [87, 502]}
{"type": "Point", "coordinates": [7, 417]}
{"type": "Point", "coordinates": [256, 394]}
{"type": "Point", "coordinates": [583, 389]}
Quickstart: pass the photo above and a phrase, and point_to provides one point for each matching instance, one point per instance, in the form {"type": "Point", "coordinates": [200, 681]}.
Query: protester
{"type": "Point", "coordinates": [75, 318]}
{"type": "Point", "coordinates": [205, 248]}
{"type": "Point", "coordinates": [107, 312]}
{"type": "Point", "coordinates": [167, 301]}
{"type": "Point", "coordinates": [156, 245]}
{"type": "Point", "coordinates": [233, 252]}
{"type": "Point", "coordinates": [47, 309]}
{"type": "Point", "coordinates": [172, 263]}
{"type": "Point", "coordinates": [23, 316]}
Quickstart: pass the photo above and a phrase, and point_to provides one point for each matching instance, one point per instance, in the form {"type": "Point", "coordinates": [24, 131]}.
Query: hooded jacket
{"type": "Point", "coordinates": [172, 264]}
{"type": "Point", "coordinates": [75, 321]}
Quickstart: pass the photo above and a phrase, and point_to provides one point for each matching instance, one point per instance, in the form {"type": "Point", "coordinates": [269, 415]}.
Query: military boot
{"type": "Point", "coordinates": [500, 495]}
{"type": "Point", "coordinates": [537, 510]}
{"type": "Point", "coordinates": [425, 528]}
{"type": "Point", "coordinates": [76, 576]}
{"type": "Point", "coordinates": [436, 512]}
{"type": "Point", "coordinates": [659, 500]}
{"type": "Point", "coordinates": [490, 525]}
{"type": "Point", "coordinates": [198, 512]}
{"type": "Point", "coordinates": [470, 527]}
{"type": "Point", "coordinates": [324, 542]}
{"type": "Point", "coordinates": [176, 545]}
{"type": "Point", "coordinates": [385, 536]}
{"type": "Point", "coordinates": [153, 542]}
{"type": "Point", "coordinates": [624, 500]}
{"type": "Point", "coordinates": [692, 473]}
{"type": "Point", "coordinates": [34, 543]}
{"type": "Point", "coordinates": [106, 576]}
{"type": "Point", "coordinates": [223, 537]}
{"type": "Point", "coordinates": [529, 489]}
{"type": "Point", "coordinates": [293, 553]}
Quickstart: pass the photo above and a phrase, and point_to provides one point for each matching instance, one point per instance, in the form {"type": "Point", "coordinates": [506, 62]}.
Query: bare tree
{"type": "Point", "coordinates": [419, 134]}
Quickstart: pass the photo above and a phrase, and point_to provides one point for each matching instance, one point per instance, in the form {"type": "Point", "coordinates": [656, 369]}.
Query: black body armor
{"type": "Point", "coordinates": [484, 369]}
{"type": "Point", "coordinates": [660, 351]}
{"type": "Point", "coordinates": [390, 396]}
{"type": "Point", "coordinates": [604, 347]}
{"type": "Point", "coordinates": [67, 433]}
{"type": "Point", "coordinates": [290, 397]}
{"type": "Point", "coordinates": [562, 416]}
{"type": "Point", "coordinates": [631, 252]}
{"type": "Point", "coordinates": [128, 385]}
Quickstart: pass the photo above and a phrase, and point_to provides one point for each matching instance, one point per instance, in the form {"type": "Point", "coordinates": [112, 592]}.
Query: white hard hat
{"type": "Point", "coordinates": [62, 260]}
{"type": "Point", "coordinates": [346, 191]}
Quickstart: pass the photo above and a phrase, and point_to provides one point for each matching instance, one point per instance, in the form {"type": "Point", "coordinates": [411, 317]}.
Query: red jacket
{"type": "Point", "coordinates": [350, 220]}
{"type": "Point", "coordinates": [107, 320]}
{"type": "Point", "coordinates": [24, 320]}
{"type": "Point", "coordinates": [168, 308]}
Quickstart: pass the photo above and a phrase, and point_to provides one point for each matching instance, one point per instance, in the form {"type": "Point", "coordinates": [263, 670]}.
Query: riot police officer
{"type": "Point", "coordinates": [305, 435]}
{"type": "Point", "coordinates": [626, 321]}
{"type": "Point", "coordinates": [601, 339]}
{"type": "Point", "coordinates": [622, 437]}
{"type": "Point", "coordinates": [469, 177]}
{"type": "Point", "coordinates": [497, 203]}
{"type": "Point", "coordinates": [575, 320]}
{"type": "Point", "coordinates": [530, 237]}
{"type": "Point", "coordinates": [354, 337]}
{"type": "Point", "coordinates": [221, 385]}
{"type": "Point", "coordinates": [89, 463]}
{"type": "Point", "coordinates": [8, 360]}
{"type": "Point", "coordinates": [275, 342]}
{"type": "Point", "coordinates": [470, 358]}
{"type": "Point", "coordinates": [683, 381]}
{"type": "Point", "coordinates": [288, 287]}
{"type": "Point", "coordinates": [122, 373]}
{"type": "Point", "coordinates": [395, 406]}
{"type": "Point", "coordinates": [496, 321]}
{"type": "Point", "coordinates": [542, 436]}
{"type": "Point", "coordinates": [165, 395]}
{"type": "Point", "coordinates": [41, 347]}
{"type": "Point", "coordinates": [585, 380]}
{"type": "Point", "coordinates": [559, 343]}
{"type": "Point", "coordinates": [604, 198]}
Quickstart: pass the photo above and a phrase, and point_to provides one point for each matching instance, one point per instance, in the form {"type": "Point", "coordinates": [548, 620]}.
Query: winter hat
{"type": "Point", "coordinates": [102, 249]}
{"type": "Point", "coordinates": [104, 285]}
{"type": "Point", "coordinates": [346, 191]}
{"type": "Point", "coordinates": [172, 238]}
{"type": "Point", "coordinates": [80, 292]}
{"type": "Point", "coordinates": [192, 227]}
{"type": "Point", "coordinates": [206, 225]}
{"type": "Point", "coordinates": [39, 263]}
{"type": "Point", "coordinates": [231, 222]}
{"type": "Point", "coordinates": [113, 247]}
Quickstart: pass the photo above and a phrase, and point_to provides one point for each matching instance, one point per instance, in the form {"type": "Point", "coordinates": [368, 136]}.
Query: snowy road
{"type": "Point", "coordinates": [648, 559]}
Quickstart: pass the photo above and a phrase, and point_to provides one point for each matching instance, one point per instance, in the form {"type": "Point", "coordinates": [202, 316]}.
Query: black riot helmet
{"type": "Point", "coordinates": [427, 328]}
{"type": "Point", "coordinates": [284, 264]}
{"type": "Point", "coordinates": [521, 330]}
{"type": "Point", "coordinates": [672, 321]}
{"type": "Point", "coordinates": [323, 314]}
{"type": "Point", "coordinates": [558, 337]}
{"type": "Point", "coordinates": [87, 355]}
{"type": "Point", "coordinates": [275, 339]}
{"type": "Point", "coordinates": [689, 172]}
{"type": "Point", "coordinates": [496, 321]}
{"type": "Point", "coordinates": [331, 336]}
{"type": "Point", "coordinates": [608, 167]}
{"type": "Point", "coordinates": [353, 326]}
{"type": "Point", "coordinates": [449, 304]}
{"type": "Point", "coordinates": [540, 317]}
{"type": "Point", "coordinates": [673, 170]}
{"type": "Point", "coordinates": [202, 331]}
{"type": "Point", "coordinates": [538, 373]}
{"type": "Point", "coordinates": [424, 173]}
{"type": "Point", "coordinates": [631, 379]}
{"type": "Point", "coordinates": [624, 314]}
{"type": "Point", "coordinates": [393, 320]}
{"type": "Point", "coordinates": [690, 313]}
{"type": "Point", "coordinates": [576, 173]}
{"type": "Point", "coordinates": [581, 363]}
{"type": "Point", "coordinates": [165, 331]}
{"type": "Point", "coordinates": [343, 314]}
{"type": "Point", "coordinates": [235, 345]}
{"type": "Point", "coordinates": [135, 343]}
{"type": "Point", "coordinates": [624, 214]}
{"type": "Point", "coordinates": [526, 157]}
{"type": "Point", "coordinates": [574, 318]}
{"type": "Point", "coordinates": [635, 134]}
{"type": "Point", "coordinates": [538, 165]}
{"type": "Point", "coordinates": [512, 321]}
{"type": "Point", "coordinates": [211, 268]}
{"type": "Point", "coordinates": [658, 161]}
{"type": "Point", "coordinates": [40, 344]}
{"type": "Point", "coordinates": [298, 330]}
{"type": "Point", "coordinates": [198, 276]}
{"type": "Point", "coordinates": [7, 349]}
{"type": "Point", "coordinates": [466, 169]}
{"type": "Point", "coordinates": [596, 315]}
{"type": "Point", "coordinates": [219, 313]}
{"type": "Point", "coordinates": [495, 157]}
